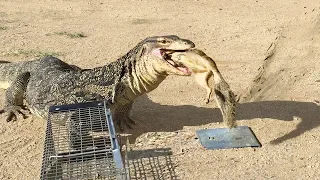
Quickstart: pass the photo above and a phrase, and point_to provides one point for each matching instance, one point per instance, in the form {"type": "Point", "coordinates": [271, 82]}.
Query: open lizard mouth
{"type": "Point", "coordinates": [166, 55]}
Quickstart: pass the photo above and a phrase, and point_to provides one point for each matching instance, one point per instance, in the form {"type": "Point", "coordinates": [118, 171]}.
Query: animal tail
{"type": "Point", "coordinates": [9, 71]}
{"type": "Point", "coordinates": [225, 98]}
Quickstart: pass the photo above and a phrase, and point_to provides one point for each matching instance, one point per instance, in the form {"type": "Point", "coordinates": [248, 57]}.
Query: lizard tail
{"type": "Point", "coordinates": [225, 99]}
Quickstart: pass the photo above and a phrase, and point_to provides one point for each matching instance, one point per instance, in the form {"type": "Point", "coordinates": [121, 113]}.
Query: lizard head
{"type": "Point", "coordinates": [156, 51]}
{"type": "Point", "coordinates": [196, 60]}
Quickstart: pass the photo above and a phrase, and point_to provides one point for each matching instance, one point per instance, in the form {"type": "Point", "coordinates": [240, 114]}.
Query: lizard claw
{"type": "Point", "coordinates": [130, 121]}
{"type": "Point", "coordinates": [125, 121]}
{"type": "Point", "coordinates": [15, 112]}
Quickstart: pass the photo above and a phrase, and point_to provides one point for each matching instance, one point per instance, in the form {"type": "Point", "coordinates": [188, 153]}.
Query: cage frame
{"type": "Point", "coordinates": [120, 161]}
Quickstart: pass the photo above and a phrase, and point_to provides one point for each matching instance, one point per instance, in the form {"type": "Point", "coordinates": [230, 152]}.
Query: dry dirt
{"type": "Point", "coordinates": [268, 51]}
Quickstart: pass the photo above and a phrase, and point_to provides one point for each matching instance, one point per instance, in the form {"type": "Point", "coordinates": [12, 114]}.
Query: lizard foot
{"type": "Point", "coordinates": [126, 121]}
{"type": "Point", "coordinates": [15, 112]}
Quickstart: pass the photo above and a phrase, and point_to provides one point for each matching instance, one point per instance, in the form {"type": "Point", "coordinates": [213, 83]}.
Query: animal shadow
{"type": "Point", "coordinates": [154, 117]}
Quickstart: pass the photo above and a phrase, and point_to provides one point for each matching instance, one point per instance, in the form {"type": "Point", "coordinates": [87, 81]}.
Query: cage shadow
{"type": "Point", "coordinates": [152, 164]}
{"type": "Point", "coordinates": [155, 117]}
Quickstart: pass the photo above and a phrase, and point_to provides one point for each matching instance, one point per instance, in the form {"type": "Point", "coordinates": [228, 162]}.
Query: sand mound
{"type": "Point", "coordinates": [291, 65]}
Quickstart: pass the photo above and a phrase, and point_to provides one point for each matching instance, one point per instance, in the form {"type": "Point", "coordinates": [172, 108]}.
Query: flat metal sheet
{"type": "Point", "coordinates": [224, 138]}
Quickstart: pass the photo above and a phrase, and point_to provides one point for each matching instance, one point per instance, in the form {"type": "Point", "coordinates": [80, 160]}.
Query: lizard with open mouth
{"type": "Point", "coordinates": [50, 81]}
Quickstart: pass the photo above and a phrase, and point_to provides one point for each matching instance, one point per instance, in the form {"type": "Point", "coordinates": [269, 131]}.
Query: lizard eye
{"type": "Point", "coordinates": [164, 41]}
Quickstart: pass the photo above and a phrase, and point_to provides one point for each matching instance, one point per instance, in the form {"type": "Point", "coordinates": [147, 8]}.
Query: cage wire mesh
{"type": "Point", "coordinates": [81, 143]}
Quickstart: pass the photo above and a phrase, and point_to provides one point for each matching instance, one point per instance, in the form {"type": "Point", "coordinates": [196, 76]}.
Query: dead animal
{"type": "Point", "coordinates": [204, 68]}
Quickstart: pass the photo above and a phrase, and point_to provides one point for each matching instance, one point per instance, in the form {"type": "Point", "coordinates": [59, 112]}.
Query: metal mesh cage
{"type": "Point", "coordinates": [81, 143]}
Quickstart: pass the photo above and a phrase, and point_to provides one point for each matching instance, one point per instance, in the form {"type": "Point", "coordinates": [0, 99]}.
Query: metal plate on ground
{"type": "Point", "coordinates": [224, 138]}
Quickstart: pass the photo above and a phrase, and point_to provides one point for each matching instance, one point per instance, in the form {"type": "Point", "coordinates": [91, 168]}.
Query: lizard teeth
{"type": "Point", "coordinates": [166, 55]}
{"type": "Point", "coordinates": [172, 62]}
{"type": "Point", "coordinates": [181, 67]}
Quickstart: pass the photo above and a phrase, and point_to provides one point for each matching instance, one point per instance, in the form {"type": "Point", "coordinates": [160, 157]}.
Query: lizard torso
{"type": "Point", "coordinates": [54, 82]}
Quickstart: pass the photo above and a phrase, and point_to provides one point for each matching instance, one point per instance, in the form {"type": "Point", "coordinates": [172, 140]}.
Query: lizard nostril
{"type": "Point", "coordinates": [188, 42]}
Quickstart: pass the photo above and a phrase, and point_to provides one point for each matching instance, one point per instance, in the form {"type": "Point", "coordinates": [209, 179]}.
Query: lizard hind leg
{"type": "Point", "coordinates": [14, 98]}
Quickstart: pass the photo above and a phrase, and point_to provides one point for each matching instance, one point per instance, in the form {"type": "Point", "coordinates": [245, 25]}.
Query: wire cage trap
{"type": "Point", "coordinates": [81, 143]}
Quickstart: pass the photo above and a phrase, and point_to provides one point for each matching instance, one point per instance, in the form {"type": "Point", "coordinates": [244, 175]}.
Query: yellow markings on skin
{"type": "Point", "coordinates": [94, 88]}
{"type": "Point", "coordinates": [179, 45]}
{"type": "Point", "coordinates": [4, 84]}
{"type": "Point", "coordinates": [145, 79]}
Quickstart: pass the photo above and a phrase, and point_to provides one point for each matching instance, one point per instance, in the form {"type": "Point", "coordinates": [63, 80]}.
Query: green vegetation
{"type": "Point", "coordinates": [68, 34]}
{"type": "Point", "coordinates": [3, 28]}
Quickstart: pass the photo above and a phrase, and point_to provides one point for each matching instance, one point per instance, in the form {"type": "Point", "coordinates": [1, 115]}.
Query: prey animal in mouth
{"type": "Point", "coordinates": [203, 68]}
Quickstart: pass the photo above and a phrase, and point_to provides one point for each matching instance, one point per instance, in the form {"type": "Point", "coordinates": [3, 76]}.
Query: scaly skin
{"type": "Point", "coordinates": [54, 82]}
{"type": "Point", "coordinates": [203, 67]}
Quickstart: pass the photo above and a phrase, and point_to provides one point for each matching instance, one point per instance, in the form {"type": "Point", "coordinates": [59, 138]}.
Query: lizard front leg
{"type": "Point", "coordinates": [122, 116]}
{"type": "Point", "coordinates": [14, 97]}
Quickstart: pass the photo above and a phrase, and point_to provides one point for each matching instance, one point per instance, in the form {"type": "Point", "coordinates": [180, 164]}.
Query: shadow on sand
{"type": "Point", "coordinates": [172, 118]}
{"type": "Point", "coordinates": [152, 164]}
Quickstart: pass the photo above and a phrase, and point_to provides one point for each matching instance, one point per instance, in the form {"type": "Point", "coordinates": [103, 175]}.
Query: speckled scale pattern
{"type": "Point", "coordinates": [54, 82]}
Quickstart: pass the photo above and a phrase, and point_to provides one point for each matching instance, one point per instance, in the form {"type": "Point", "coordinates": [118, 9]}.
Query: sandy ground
{"type": "Point", "coordinates": [279, 94]}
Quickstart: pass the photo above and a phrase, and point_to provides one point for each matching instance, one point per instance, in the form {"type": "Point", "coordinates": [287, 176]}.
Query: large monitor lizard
{"type": "Point", "coordinates": [50, 81]}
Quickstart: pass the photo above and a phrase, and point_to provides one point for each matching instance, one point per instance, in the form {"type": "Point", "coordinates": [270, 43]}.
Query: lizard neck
{"type": "Point", "coordinates": [123, 80]}
{"type": "Point", "coordinates": [142, 77]}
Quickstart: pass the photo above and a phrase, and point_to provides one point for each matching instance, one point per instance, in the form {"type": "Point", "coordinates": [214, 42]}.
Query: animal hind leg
{"type": "Point", "coordinates": [122, 116]}
{"type": "Point", "coordinates": [14, 98]}
{"type": "Point", "coordinates": [202, 80]}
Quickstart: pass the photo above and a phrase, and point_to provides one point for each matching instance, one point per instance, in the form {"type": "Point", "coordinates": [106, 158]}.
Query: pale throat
{"type": "Point", "coordinates": [144, 78]}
